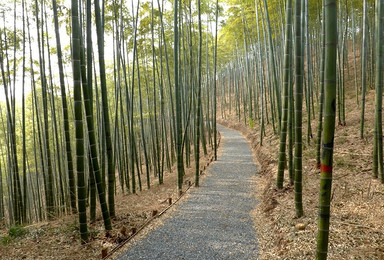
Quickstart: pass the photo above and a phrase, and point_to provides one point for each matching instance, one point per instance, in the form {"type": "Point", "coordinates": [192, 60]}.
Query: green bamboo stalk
{"type": "Point", "coordinates": [363, 67]}
{"type": "Point", "coordinates": [105, 110]}
{"type": "Point", "coordinates": [198, 115]}
{"type": "Point", "coordinates": [54, 122]}
{"type": "Point", "coordinates": [298, 112]}
{"type": "Point", "coordinates": [34, 109]}
{"type": "Point", "coordinates": [87, 95]}
{"type": "Point", "coordinates": [291, 119]}
{"type": "Point", "coordinates": [261, 76]}
{"type": "Point", "coordinates": [214, 85]}
{"type": "Point", "coordinates": [69, 160]}
{"type": "Point", "coordinates": [330, 19]}
{"type": "Point", "coordinates": [24, 148]}
{"type": "Point", "coordinates": [308, 72]}
{"type": "Point", "coordinates": [141, 107]}
{"type": "Point", "coordinates": [378, 137]}
{"type": "Point", "coordinates": [286, 74]}
{"type": "Point", "coordinates": [81, 189]}
{"type": "Point", "coordinates": [50, 196]}
{"type": "Point", "coordinates": [178, 132]}
{"type": "Point", "coordinates": [321, 101]}
{"type": "Point", "coordinates": [354, 53]}
{"type": "Point", "coordinates": [272, 63]}
{"type": "Point", "coordinates": [131, 129]}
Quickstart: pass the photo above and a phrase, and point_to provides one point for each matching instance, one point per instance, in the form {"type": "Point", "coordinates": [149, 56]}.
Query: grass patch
{"type": "Point", "coordinates": [17, 231]}
{"type": "Point", "coordinates": [251, 123]}
{"type": "Point", "coordinates": [14, 232]}
{"type": "Point", "coordinates": [5, 240]}
{"type": "Point", "coordinates": [70, 229]}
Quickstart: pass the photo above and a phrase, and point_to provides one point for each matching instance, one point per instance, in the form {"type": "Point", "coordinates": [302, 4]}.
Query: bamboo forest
{"type": "Point", "coordinates": [191, 129]}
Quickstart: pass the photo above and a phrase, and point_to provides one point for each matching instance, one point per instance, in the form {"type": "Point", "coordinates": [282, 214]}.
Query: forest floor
{"type": "Point", "coordinates": [59, 238]}
{"type": "Point", "coordinates": [357, 206]}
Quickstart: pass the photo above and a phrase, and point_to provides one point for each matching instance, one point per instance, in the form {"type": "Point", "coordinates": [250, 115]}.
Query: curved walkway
{"type": "Point", "coordinates": [214, 221]}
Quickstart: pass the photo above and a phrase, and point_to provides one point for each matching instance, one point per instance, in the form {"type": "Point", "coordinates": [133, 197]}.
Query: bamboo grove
{"type": "Point", "coordinates": [103, 97]}
{"type": "Point", "coordinates": [99, 98]}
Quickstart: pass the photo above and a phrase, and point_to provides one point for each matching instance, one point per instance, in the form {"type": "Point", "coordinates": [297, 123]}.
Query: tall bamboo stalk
{"type": "Point", "coordinates": [363, 68]}
{"type": "Point", "coordinates": [105, 110]}
{"type": "Point", "coordinates": [286, 74]}
{"type": "Point", "coordinates": [198, 113]}
{"type": "Point", "coordinates": [87, 96]}
{"type": "Point", "coordinates": [214, 84]}
{"type": "Point", "coordinates": [179, 130]}
{"type": "Point", "coordinates": [298, 111]}
{"type": "Point", "coordinates": [81, 186]}
{"type": "Point", "coordinates": [378, 137]}
{"type": "Point", "coordinates": [330, 19]}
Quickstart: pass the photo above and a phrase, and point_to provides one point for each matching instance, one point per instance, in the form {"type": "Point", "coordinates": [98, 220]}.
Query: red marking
{"type": "Point", "coordinates": [326, 168]}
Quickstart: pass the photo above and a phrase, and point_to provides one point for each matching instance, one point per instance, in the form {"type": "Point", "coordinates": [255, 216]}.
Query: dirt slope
{"type": "Point", "coordinates": [357, 209]}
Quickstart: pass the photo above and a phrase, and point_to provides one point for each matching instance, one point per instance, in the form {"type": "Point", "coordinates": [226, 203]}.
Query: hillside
{"type": "Point", "coordinates": [357, 227]}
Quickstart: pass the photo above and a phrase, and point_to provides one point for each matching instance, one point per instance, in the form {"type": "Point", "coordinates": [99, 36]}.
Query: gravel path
{"type": "Point", "coordinates": [214, 221]}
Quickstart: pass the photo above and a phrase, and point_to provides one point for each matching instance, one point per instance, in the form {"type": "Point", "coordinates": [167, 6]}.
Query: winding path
{"type": "Point", "coordinates": [214, 221]}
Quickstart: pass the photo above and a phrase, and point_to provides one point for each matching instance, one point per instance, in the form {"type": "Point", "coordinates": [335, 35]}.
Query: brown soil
{"type": "Point", "coordinates": [59, 239]}
{"type": "Point", "coordinates": [357, 207]}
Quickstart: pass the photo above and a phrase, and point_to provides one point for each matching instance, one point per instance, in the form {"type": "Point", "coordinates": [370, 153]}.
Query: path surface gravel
{"type": "Point", "coordinates": [214, 221]}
